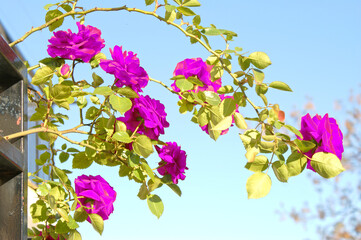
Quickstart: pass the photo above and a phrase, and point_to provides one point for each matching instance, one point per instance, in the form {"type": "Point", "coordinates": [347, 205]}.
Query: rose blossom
{"type": "Point", "coordinates": [173, 161]}
{"type": "Point", "coordinates": [148, 114]}
{"type": "Point", "coordinates": [95, 194]}
{"type": "Point", "coordinates": [325, 132]}
{"type": "Point", "coordinates": [82, 45]}
{"type": "Point", "coordinates": [126, 69]}
{"type": "Point", "coordinates": [195, 67]}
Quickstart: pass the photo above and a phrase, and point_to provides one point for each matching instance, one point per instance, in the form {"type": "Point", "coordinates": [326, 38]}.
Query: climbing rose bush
{"type": "Point", "coordinates": [147, 113]}
{"type": "Point", "coordinates": [173, 161]}
{"type": "Point", "coordinates": [126, 69]}
{"type": "Point", "coordinates": [325, 132]}
{"type": "Point", "coordinates": [196, 67]}
{"type": "Point", "coordinates": [82, 45]}
{"type": "Point", "coordinates": [95, 194]}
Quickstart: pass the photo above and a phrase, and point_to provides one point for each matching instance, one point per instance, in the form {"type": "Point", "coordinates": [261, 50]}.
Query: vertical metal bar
{"type": "Point", "coordinates": [13, 157]}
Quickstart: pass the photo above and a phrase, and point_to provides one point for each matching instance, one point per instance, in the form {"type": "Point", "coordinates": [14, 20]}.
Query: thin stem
{"type": "Point", "coordinates": [33, 67]}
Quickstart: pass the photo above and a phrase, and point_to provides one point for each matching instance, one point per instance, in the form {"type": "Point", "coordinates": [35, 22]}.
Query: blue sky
{"type": "Point", "coordinates": [314, 47]}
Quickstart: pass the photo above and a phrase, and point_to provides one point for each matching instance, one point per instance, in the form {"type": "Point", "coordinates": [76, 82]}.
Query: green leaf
{"type": "Point", "coordinates": [296, 163]}
{"type": "Point", "coordinates": [49, 5]}
{"type": "Point", "coordinates": [67, 8]}
{"type": "Point", "coordinates": [175, 188]}
{"type": "Point", "coordinates": [239, 121]}
{"type": "Point", "coordinates": [196, 20]}
{"type": "Point", "coordinates": [227, 107]}
{"type": "Point", "coordinates": [244, 62]}
{"type": "Point", "coordinates": [80, 215]}
{"type": "Point", "coordinates": [41, 147]}
{"type": "Point", "coordinates": [149, 171]}
{"type": "Point", "coordinates": [260, 60]}
{"type": "Point", "coordinates": [143, 192]}
{"type": "Point", "coordinates": [280, 86]}
{"type": "Point", "coordinates": [124, 170]}
{"type": "Point", "coordinates": [53, 63]}
{"type": "Point", "coordinates": [74, 235]}
{"type": "Point", "coordinates": [280, 171]}
{"type": "Point", "coordinates": [191, 3]}
{"type": "Point", "coordinates": [59, 91]}
{"type": "Point", "coordinates": [258, 185]}
{"type": "Point", "coordinates": [225, 89]}
{"type": "Point", "coordinates": [61, 174]}
{"type": "Point", "coordinates": [294, 130]}
{"type": "Point", "coordinates": [122, 137]}
{"type": "Point", "coordinates": [251, 153]}
{"type": "Point", "coordinates": [149, 2]}
{"type": "Point", "coordinates": [120, 104]}
{"type": "Point", "coordinates": [94, 62]}
{"type": "Point", "coordinates": [258, 75]}
{"type": "Point", "coordinates": [127, 92]}
{"type": "Point", "coordinates": [224, 124]}
{"type": "Point", "coordinates": [210, 31]}
{"type": "Point", "coordinates": [97, 80]}
{"type": "Point", "coordinates": [143, 146]}
{"type": "Point", "coordinates": [97, 222]}
{"type": "Point", "coordinates": [184, 85]}
{"type": "Point", "coordinates": [259, 164]}
{"type": "Point", "coordinates": [105, 91]}
{"type": "Point", "coordinates": [42, 75]}
{"type": "Point", "coordinates": [155, 205]}
{"type": "Point", "coordinates": [61, 227]}
{"type": "Point", "coordinates": [50, 15]}
{"type": "Point", "coordinates": [304, 146]}
{"type": "Point", "coordinates": [195, 81]}
{"type": "Point", "coordinates": [91, 113]}
{"type": "Point", "coordinates": [81, 161]}
{"type": "Point", "coordinates": [186, 11]}
{"type": "Point", "coordinates": [327, 165]}
{"type": "Point", "coordinates": [63, 213]}
{"type": "Point", "coordinates": [212, 98]}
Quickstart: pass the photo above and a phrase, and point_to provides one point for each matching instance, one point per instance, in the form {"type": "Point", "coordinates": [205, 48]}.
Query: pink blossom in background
{"type": "Point", "coordinates": [96, 194]}
{"type": "Point", "coordinates": [173, 161]}
{"type": "Point", "coordinates": [82, 45]}
{"type": "Point", "coordinates": [151, 112]}
{"type": "Point", "coordinates": [126, 69]}
{"type": "Point", "coordinates": [196, 67]}
{"type": "Point", "coordinates": [325, 131]}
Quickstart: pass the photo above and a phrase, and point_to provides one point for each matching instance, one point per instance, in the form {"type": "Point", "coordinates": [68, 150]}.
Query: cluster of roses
{"type": "Point", "coordinates": [148, 117]}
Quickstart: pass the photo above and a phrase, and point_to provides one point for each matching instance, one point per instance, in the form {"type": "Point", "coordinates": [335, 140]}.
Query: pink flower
{"type": "Point", "coordinates": [173, 161]}
{"type": "Point", "coordinates": [325, 132]}
{"type": "Point", "coordinates": [148, 114]}
{"type": "Point", "coordinates": [65, 71]}
{"type": "Point", "coordinates": [95, 194]}
{"type": "Point", "coordinates": [195, 67]}
{"type": "Point", "coordinates": [126, 69]}
{"type": "Point", "coordinates": [82, 45]}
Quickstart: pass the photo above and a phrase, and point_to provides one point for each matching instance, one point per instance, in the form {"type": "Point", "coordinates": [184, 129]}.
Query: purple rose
{"type": "Point", "coordinates": [82, 45]}
{"type": "Point", "coordinates": [325, 132]}
{"type": "Point", "coordinates": [126, 69]}
{"type": "Point", "coordinates": [195, 67]}
{"type": "Point", "coordinates": [148, 114]}
{"type": "Point", "coordinates": [173, 161]}
{"type": "Point", "coordinates": [95, 194]}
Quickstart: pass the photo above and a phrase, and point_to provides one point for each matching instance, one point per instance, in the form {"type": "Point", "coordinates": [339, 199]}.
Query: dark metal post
{"type": "Point", "coordinates": [13, 155]}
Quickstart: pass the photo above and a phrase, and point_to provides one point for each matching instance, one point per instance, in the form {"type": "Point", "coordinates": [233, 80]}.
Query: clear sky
{"type": "Point", "coordinates": [314, 47]}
